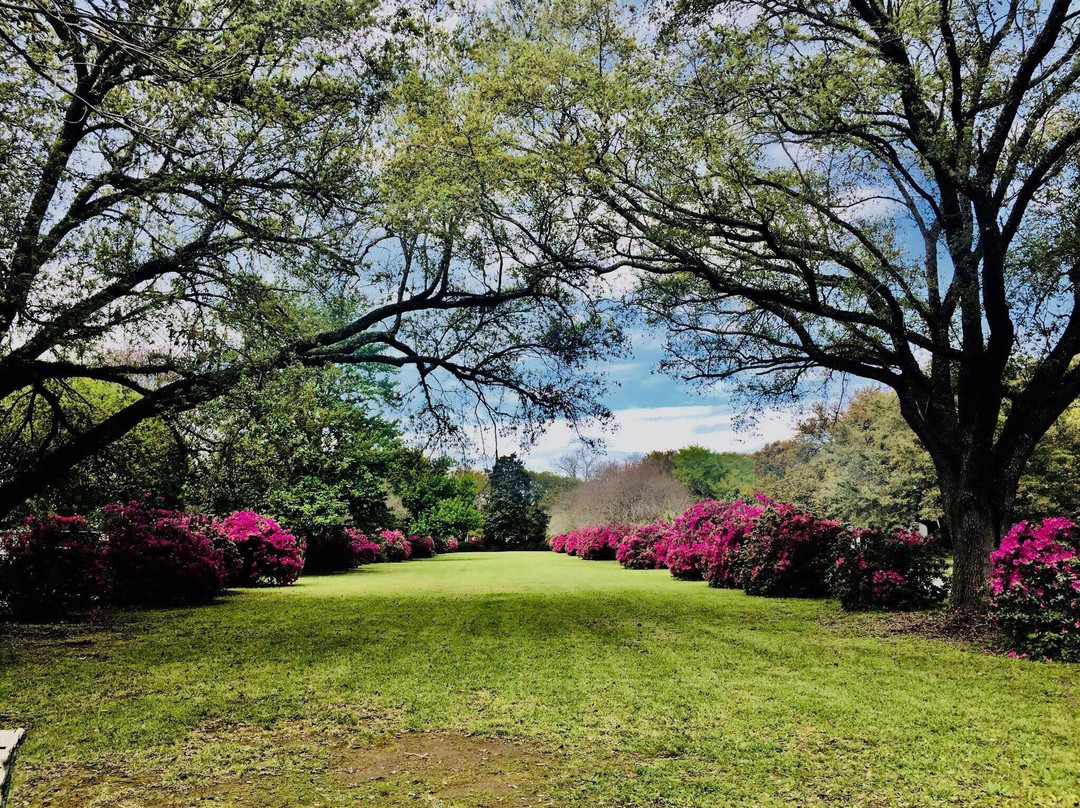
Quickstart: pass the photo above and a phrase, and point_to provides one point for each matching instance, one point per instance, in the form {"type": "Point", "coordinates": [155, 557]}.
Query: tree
{"type": "Point", "coordinates": [441, 500]}
{"type": "Point", "coordinates": [863, 466]}
{"type": "Point", "coordinates": [513, 518]}
{"type": "Point", "coordinates": [195, 194]}
{"type": "Point", "coordinates": [581, 462]}
{"type": "Point", "coordinates": [878, 190]}
{"type": "Point", "coordinates": [632, 492]}
{"type": "Point", "coordinates": [708, 474]}
{"type": "Point", "coordinates": [305, 445]}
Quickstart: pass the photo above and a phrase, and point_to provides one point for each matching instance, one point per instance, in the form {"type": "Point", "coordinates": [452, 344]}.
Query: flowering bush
{"type": "Point", "coordinates": [421, 547]}
{"type": "Point", "coordinates": [269, 555]}
{"type": "Point", "coordinates": [558, 543]}
{"type": "Point", "coordinates": [722, 527]}
{"type": "Point", "coordinates": [158, 557]}
{"type": "Point", "coordinates": [687, 561]}
{"type": "Point", "coordinates": [898, 569]}
{"type": "Point", "coordinates": [1035, 589]}
{"type": "Point", "coordinates": [332, 549]}
{"type": "Point", "coordinates": [787, 553]}
{"type": "Point", "coordinates": [51, 568]}
{"type": "Point", "coordinates": [638, 549]}
{"type": "Point", "coordinates": [393, 546]}
{"type": "Point", "coordinates": [451, 545]}
{"type": "Point", "coordinates": [365, 550]}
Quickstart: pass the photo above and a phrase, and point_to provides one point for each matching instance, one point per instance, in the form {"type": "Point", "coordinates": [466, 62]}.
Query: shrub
{"type": "Point", "coordinates": [898, 569]}
{"type": "Point", "coordinates": [1035, 589]}
{"type": "Point", "coordinates": [599, 543]}
{"type": "Point", "coordinates": [474, 542]}
{"type": "Point", "coordinates": [721, 527]}
{"type": "Point", "coordinates": [157, 557]}
{"type": "Point", "coordinates": [451, 545]}
{"type": "Point", "coordinates": [687, 561]}
{"type": "Point", "coordinates": [269, 555]}
{"type": "Point", "coordinates": [421, 547]}
{"type": "Point", "coordinates": [558, 543]}
{"type": "Point", "coordinates": [637, 550]}
{"type": "Point", "coordinates": [364, 549]}
{"type": "Point", "coordinates": [787, 554]}
{"type": "Point", "coordinates": [393, 546]}
{"type": "Point", "coordinates": [337, 550]}
{"type": "Point", "coordinates": [51, 568]}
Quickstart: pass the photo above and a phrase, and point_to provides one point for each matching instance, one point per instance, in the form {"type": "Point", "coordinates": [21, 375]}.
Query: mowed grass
{"type": "Point", "coordinates": [615, 688]}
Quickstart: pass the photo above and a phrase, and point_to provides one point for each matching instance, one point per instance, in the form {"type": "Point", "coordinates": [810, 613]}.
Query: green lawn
{"type": "Point", "coordinates": [526, 679]}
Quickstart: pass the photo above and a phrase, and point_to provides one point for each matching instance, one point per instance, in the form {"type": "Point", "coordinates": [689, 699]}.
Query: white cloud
{"type": "Point", "coordinates": [640, 430]}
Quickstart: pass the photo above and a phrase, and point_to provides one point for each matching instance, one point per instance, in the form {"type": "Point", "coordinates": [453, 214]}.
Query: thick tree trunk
{"type": "Point", "coordinates": [973, 522]}
{"type": "Point", "coordinates": [977, 507]}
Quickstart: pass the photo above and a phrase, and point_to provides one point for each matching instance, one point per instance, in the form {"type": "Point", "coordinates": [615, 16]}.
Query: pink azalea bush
{"type": "Point", "coordinates": [158, 557]}
{"type": "Point", "coordinates": [473, 542]}
{"type": "Point", "coordinates": [638, 549]}
{"type": "Point", "coordinates": [787, 554]}
{"type": "Point", "coordinates": [1035, 589]}
{"type": "Point", "coordinates": [687, 561]}
{"type": "Point", "coordinates": [393, 546]}
{"type": "Point", "coordinates": [337, 550]}
{"type": "Point", "coordinates": [897, 569]}
{"type": "Point", "coordinates": [722, 527]}
{"type": "Point", "coordinates": [451, 545]}
{"type": "Point", "coordinates": [365, 551]}
{"type": "Point", "coordinates": [421, 547]}
{"type": "Point", "coordinates": [269, 555]}
{"type": "Point", "coordinates": [51, 568]}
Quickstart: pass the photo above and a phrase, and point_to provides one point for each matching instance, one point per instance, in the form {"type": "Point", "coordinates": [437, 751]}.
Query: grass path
{"type": "Point", "coordinates": [526, 679]}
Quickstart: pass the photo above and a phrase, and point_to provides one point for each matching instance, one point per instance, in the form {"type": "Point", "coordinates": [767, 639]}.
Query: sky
{"type": "Point", "coordinates": [654, 411]}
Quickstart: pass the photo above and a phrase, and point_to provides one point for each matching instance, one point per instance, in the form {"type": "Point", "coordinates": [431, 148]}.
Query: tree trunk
{"type": "Point", "coordinates": [975, 515]}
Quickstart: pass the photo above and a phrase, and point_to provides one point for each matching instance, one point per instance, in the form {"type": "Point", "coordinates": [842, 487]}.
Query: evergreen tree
{"type": "Point", "coordinates": [513, 516]}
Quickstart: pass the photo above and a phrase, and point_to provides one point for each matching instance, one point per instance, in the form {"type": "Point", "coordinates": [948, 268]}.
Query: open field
{"type": "Point", "coordinates": [526, 679]}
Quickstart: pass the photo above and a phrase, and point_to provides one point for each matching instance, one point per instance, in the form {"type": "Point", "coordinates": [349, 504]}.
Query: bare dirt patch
{"type": "Point", "coordinates": [974, 632]}
{"type": "Point", "coordinates": [304, 764]}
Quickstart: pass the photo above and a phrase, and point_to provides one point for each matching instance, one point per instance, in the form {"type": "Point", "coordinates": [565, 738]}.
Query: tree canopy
{"type": "Point", "coordinates": [195, 193]}
{"type": "Point", "coordinates": [882, 190]}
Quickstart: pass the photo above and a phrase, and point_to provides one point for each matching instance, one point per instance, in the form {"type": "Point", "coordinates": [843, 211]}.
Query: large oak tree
{"type": "Point", "coordinates": [882, 189]}
{"type": "Point", "coordinates": [194, 192]}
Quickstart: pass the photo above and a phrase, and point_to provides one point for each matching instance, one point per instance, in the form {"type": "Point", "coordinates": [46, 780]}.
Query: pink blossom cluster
{"type": "Point", "coordinates": [421, 547]}
{"type": "Point", "coordinates": [159, 557]}
{"type": "Point", "coordinates": [393, 546]}
{"type": "Point", "coordinates": [645, 547]}
{"type": "Point", "coordinates": [51, 568]}
{"type": "Point", "coordinates": [787, 553]}
{"type": "Point", "coordinates": [1035, 589]}
{"type": "Point", "coordinates": [898, 569]}
{"type": "Point", "coordinates": [596, 543]}
{"type": "Point", "coordinates": [364, 550]}
{"type": "Point", "coordinates": [268, 555]}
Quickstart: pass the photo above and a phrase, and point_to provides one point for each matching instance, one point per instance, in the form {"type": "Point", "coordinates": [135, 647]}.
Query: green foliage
{"type": "Point", "coordinates": [864, 466]}
{"type": "Point", "coordinates": [551, 487]}
{"type": "Point", "coordinates": [513, 516]}
{"type": "Point", "coordinates": [441, 501]}
{"type": "Point", "coordinates": [708, 474]}
{"type": "Point", "coordinates": [303, 445]}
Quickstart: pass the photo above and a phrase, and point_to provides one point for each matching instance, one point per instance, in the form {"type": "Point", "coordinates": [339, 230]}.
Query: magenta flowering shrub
{"type": "Point", "coordinates": [51, 568]}
{"type": "Point", "coordinates": [787, 553]}
{"type": "Point", "coordinates": [365, 551]}
{"type": "Point", "coordinates": [1035, 589]}
{"type": "Point", "coordinates": [638, 549]}
{"type": "Point", "coordinates": [594, 543]}
{"type": "Point", "coordinates": [722, 527]}
{"type": "Point", "coordinates": [473, 543]}
{"type": "Point", "coordinates": [421, 547]}
{"type": "Point", "coordinates": [158, 557]}
{"type": "Point", "coordinates": [269, 555]}
{"type": "Point", "coordinates": [558, 543]}
{"type": "Point", "coordinates": [898, 569]}
{"type": "Point", "coordinates": [687, 561]}
{"type": "Point", "coordinates": [393, 546]}
{"type": "Point", "coordinates": [451, 545]}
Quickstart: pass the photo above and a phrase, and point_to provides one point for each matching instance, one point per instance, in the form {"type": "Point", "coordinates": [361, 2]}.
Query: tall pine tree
{"type": "Point", "coordinates": [513, 517]}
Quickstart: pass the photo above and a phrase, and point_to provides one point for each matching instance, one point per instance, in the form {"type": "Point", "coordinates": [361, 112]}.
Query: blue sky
{"type": "Point", "coordinates": [654, 411]}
